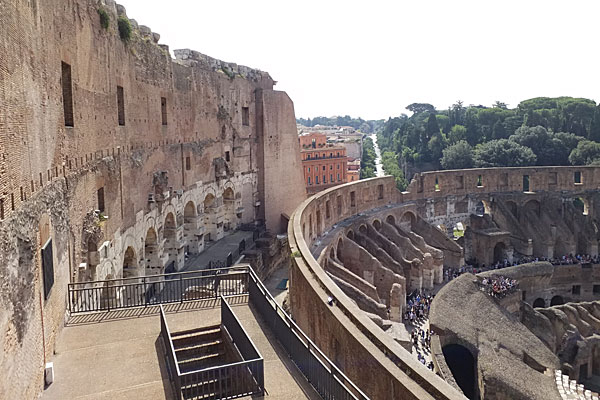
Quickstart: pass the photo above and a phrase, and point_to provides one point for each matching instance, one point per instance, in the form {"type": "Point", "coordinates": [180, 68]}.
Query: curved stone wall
{"type": "Point", "coordinates": [348, 336]}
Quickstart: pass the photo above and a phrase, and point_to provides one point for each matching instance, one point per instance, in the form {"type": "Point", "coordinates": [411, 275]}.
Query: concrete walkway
{"type": "Point", "coordinates": [119, 355]}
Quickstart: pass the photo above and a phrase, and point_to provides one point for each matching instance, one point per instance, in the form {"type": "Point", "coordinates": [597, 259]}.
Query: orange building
{"type": "Point", "coordinates": [324, 165]}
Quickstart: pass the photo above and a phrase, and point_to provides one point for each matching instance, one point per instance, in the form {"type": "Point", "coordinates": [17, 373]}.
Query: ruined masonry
{"type": "Point", "coordinates": [116, 160]}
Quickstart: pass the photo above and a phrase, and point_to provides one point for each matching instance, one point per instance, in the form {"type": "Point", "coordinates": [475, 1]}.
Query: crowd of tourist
{"type": "Point", "coordinates": [417, 307]}
{"type": "Point", "coordinates": [498, 286]}
{"type": "Point", "coordinates": [422, 337]}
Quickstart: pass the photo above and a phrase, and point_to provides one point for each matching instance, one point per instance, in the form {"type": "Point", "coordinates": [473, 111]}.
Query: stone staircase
{"type": "Point", "coordinates": [199, 348]}
{"type": "Point", "coordinates": [569, 389]}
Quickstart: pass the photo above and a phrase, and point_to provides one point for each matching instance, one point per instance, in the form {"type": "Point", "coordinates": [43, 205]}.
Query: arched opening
{"type": "Point", "coordinates": [130, 265]}
{"type": "Point", "coordinates": [230, 219]}
{"type": "Point", "coordinates": [377, 224]}
{"type": "Point", "coordinates": [210, 217]}
{"type": "Point", "coordinates": [171, 247]}
{"type": "Point", "coordinates": [532, 207]}
{"type": "Point", "coordinates": [340, 248]}
{"type": "Point", "coordinates": [191, 225]}
{"type": "Point", "coordinates": [462, 365]}
{"type": "Point", "coordinates": [512, 207]}
{"type": "Point", "coordinates": [480, 209]}
{"type": "Point", "coordinates": [539, 303]}
{"type": "Point", "coordinates": [362, 229]}
{"type": "Point", "coordinates": [407, 221]}
{"type": "Point", "coordinates": [557, 301]}
{"type": "Point", "coordinates": [350, 235]}
{"type": "Point", "coordinates": [581, 205]}
{"type": "Point", "coordinates": [390, 220]}
{"type": "Point", "coordinates": [500, 252]}
{"type": "Point", "coordinates": [332, 253]}
{"type": "Point", "coordinates": [153, 264]}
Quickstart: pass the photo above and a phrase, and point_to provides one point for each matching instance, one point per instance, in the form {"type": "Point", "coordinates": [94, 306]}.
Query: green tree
{"type": "Point", "coordinates": [420, 107]}
{"type": "Point", "coordinates": [502, 153]}
{"type": "Point", "coordinates": [457, 133]}
{"type": "Point", "coordinates": [586, 153]}
{"type": "Point", "coordinates": [458, 156]}
{"type": "Point", "coordinates": [432, 126]}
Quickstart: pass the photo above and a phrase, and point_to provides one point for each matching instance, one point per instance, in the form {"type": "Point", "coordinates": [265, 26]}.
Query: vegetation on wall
{"type": "Point", "coordinates": [539, 131]}
{"type": "Point", "coordinates": [124, 28]}
{"type": "Point", "coordinates": [104, 18]}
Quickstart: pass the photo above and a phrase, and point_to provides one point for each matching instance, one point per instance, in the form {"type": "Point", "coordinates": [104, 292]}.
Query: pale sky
{"type": "Point", "coordinates": [371, 58]}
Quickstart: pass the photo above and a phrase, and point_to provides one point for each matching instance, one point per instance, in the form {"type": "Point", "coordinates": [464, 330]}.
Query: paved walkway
{"type": "Point", "coordinates": [118, 355]}
{"type": "Point", "coordinates": [218, 251]}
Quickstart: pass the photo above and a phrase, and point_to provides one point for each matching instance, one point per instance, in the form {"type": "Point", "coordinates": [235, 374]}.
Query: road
{"type": "Point", "coordinates": [379, 166]}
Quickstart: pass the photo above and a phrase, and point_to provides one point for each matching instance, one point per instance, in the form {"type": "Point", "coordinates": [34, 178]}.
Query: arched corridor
{"type": "Point", "coordinates": [462, 365]}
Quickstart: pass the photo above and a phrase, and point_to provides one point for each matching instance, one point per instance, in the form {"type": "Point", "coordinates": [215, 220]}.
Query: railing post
{"type": "Point", "coordinates": [145, 297]}
{"type": "Point", "coordinates": [180, 288]}
{"type": "Point", "coordinates": [107, 295]}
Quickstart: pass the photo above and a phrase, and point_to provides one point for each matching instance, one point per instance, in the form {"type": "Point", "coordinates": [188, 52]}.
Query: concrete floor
{"type": "Point", "coordinates": [118, 354]}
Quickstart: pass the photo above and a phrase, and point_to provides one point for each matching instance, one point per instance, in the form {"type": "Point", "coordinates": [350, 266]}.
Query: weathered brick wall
{"type": "Point", "coordinates": [47, 168]}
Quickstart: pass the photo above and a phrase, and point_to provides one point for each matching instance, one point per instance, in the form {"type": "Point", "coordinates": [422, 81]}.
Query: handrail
{"type": "Point", "coordinates": [187, 273]}
{"type": "Point", "coordinates": [239, 325]}
{"type": "Point", "coordinates": [295, 329]}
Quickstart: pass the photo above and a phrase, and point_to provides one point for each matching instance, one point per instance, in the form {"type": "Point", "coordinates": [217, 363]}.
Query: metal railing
{"type": "Point", "coordinates": [157, 289]}
{"type": "Point", "coordinates": [228, 381]}
{"type": "Point", "coordinates": [246, 376]}
{"type": "Point", "coordinates": [324, 376]}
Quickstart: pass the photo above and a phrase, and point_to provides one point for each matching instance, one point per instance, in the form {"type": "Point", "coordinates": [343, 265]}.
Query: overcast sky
{"type": "Point", "coordinates": [372, 58]}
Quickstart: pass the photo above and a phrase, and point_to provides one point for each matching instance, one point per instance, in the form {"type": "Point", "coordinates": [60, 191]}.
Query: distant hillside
{"type": "Point", "coordinates": [365, 126]}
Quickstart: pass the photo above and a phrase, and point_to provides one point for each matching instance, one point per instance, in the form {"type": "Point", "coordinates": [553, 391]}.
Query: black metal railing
{"type": "Point", "coordinates": [157, 289]}
{"type": "Point", "coordinates": [325, 377]}
{"type": "Point", "coordinates": [243, 377]}
{"type": "Point", "coordinates": [228, 381]}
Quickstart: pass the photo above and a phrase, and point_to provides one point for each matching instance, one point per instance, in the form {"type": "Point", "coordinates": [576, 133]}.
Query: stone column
{"type": "Point", "coordinates": [397, 300]}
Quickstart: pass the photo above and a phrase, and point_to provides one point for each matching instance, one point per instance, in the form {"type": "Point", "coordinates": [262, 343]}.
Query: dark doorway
{"type": "Point", "coordinates": [539, 302]}
{"type": "Point", "coordinates": [557, 301]}
{"type": "Point", "coordinates": [462, 365]}
{"type": "Point", "coordinates": [499, 252]}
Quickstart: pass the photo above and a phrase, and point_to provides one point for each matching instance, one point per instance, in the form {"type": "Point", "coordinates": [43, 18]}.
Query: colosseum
{"type": "Point", "coordinates": [144, 228]}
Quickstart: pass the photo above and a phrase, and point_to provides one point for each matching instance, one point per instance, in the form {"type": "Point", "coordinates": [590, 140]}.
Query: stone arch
{"type": "Point", "coordinates": [377, 224]}
{"type": "Point", "coordinates": [339, 248]}
{"type": "Point", "coordinates": [331, 252]}
{"type": "Point", "coordinates": [533, 206]}
{"type": "Point", "coordinates": [171, 235]}
{"type": "Point", "coordinates": [390, 219]}
{"type": "Point", "coordinates": [230, 218]}
{"type": "Point", "coordinates": [193, 239]}
{"type": "Point", "coordinates": [130, 263]}
{"type": "Point", "coordinates": [480, 209]}
{"type": "Point", "coordinates": [539, 303]}
{"type": "Point", "coordinates": [408, 220]}
{"type": "Point", "coordinates": [362, 229]}
{"type": "Point", "coordinates": [500, 252]}
{"type": "Point", "coordinates": [350, 234]}
{"type": "Point", "coordinates": [463, 367]}
{"type": "Point", "coordinates": [151, 253]}
{"type": "Point", "coordinates": [318, 227]}
{"type": "Point", "coordinates": [557, 301]}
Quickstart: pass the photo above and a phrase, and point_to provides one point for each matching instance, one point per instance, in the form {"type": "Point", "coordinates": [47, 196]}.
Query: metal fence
{"type": "Point", "coordinates": [157, 289]}
{"type": "Point", "coordinates": [327, 379]}
{"type": "Point", "coordinates": [228, 381]}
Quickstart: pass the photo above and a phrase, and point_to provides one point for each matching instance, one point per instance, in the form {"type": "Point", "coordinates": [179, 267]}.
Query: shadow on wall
{"type": "Point", "coordinates": [462, 365]}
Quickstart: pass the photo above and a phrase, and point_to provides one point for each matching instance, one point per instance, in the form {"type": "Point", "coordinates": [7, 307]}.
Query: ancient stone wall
{"type": "Point", "coordinates": [166, 151]}
{"type": "Point", "coordinates": [439, 197]}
